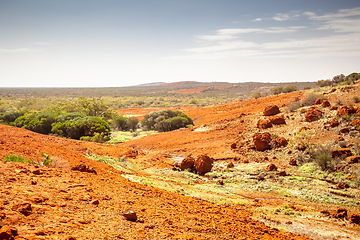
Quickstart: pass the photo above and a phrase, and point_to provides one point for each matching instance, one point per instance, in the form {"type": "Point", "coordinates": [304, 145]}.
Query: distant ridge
{"type": "Point", "coordinates": [151, 84]}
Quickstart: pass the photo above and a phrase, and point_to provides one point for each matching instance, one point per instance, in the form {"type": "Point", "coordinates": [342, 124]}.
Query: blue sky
{"type": "Point", "coordinates": [112, 43]}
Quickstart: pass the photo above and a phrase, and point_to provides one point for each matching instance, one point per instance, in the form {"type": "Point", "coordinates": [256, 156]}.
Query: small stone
{"type": "Point", "coordinates": [95, 202]}
{"type": "Point", "coordinates": [220, 182]}
{"type": "Point", "coordinates": [282, 173]}
{"type": "Point", "coordinates": [230, 165]}
{"type": "Point", "coordinates": [5, 233]}
{"type": "Point", "coordinates": [271, 167]}
{"type": "Point", "coordinates": [350, 177]}
{"type": "Point", "coordinates": [292, 162]}
{"type": "Point", "coordinates": [345, 130]}
{"type": "Point", "coordinates": [37, 172]}
{"type": "Point", "coordinates": [24, 208]}
{"type": "Point", "coordinates": [352, 159]}
{"type": "Point", "coordinates": [341, 213]}
{"type": "Point", "coordinates": [355, 218]}
{"type": "Point", "coordinates": [342, 185]}
{"type": "Point", "coordinates": [130, 215]}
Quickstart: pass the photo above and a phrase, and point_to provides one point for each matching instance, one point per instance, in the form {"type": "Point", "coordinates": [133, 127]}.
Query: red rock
{"type": "Point", "coordinates": [355, 218]}
{"type": "Point", "coordinates": [83, 168]}
{"type": "Point", "coordinates": [264, 124]}
{"type": "Point", "coordinates": [277, 120]}
{"type": "Point", "coordinates": [203, 164]}
{"type": "Point", "coordinates": [333, 123]}
{"type": "Point", "coordinates": [230, 165]}
{"type": "Point", "coordinates": [271, 110]}
{"type": "Point", "coordinates": [319, 101]}
{"type": "Point", "coordinates": [325, 104]}
{"type": "Point", "coordinates": [304, 129]}
{"type": "Point", "coordinates": [313, 114]}
{"type": "Point", "coordinates": [271, 167]}
{"type": "Point", "coordinates": [95, 202]}
{"type": "Point", "coordinates": [233, 146]}
{"type": "Point", "coordinates": [187, 163]}
{"type": "Point", "coordinates": [282, 173]}
{"type": "Point", "coordinates": [342, 185]}
{"type": "Point", "coordinates": [129, 215]}
{"type": "Point", "coordinates": [345, 130]}
{"type": "Point", "coordinates": [340, 138]}
{"type": "Point", "coordinates": [345, 110]}
{"type": "Point", "coordinates": [341, 213]}
{"type": "Point", "coordinates": [24, 208]}
{"type": "Point", "coordinates": [341, 152]}
{"type": "Point", "coordinates": [5, 233]}
{"type": "Point", "coordinates": [292, 162]}
{"type": "Point", "coordinates": [352, 159]}
{"type": "Point", "coordinates": [334, 108]}
{"type": "Point", "coordinates": [355, 123]}
{"type": "Point", "coordinates": [350, 177]}
{"type": "Point", "coordinates": [262, 141]}
{"type": "Point", "coordinates": [281, 142]}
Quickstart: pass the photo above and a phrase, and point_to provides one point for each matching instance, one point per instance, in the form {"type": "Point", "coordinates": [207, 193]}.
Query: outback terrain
{"type": "Point", "coordinates": [271, 175]}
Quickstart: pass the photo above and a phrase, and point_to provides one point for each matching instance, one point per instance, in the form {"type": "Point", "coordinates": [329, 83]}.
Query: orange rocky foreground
{"type": "Point", "coordinates": [39, 202]}
{"type": "Point", "coordinates": [79, 198]}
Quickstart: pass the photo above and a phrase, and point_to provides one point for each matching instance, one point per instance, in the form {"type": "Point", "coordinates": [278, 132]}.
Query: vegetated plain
{"type": "Point", "coordinates": [303, 198]}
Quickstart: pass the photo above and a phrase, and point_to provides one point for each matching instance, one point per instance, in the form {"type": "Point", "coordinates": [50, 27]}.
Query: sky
{"type": "Point", "coordinates": [115, 43]}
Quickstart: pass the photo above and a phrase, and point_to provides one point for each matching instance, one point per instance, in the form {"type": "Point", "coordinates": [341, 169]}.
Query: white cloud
{"type": "Point", "coordinates": [16, 50]}
{"type": "Point", "coordinates": [287, 16]}
{"type": "Point", "coordinates": [43, 43]}
{"type": "Point", "coordinates": [340, 36]}
{"type": "Point", "coordinates": [257, 20]}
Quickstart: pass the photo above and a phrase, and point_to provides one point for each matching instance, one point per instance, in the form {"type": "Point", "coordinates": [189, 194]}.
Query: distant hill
{"type": "Point", "coordinates": [158, 89]}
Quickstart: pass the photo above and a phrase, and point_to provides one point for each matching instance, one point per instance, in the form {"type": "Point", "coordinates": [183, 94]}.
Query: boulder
{"type": "Point", "coordinates": [83, 168]}
{"type": "Point", "coordinates": [352, 159]}
{"type": "Point", "coordinates": [264, 124]}
{"type": "Point", "coordinates": [187, 163]}
{"type": "Point", "coordinates": [304, 129]}
{"type": "Point", "coordinates": [340, 138]}
{"type": "Point", "coordinates": [7, 233]}
{"type": "Point", "coordinates": [230, 165]}
{"type": "Point", "coordinates": [345, 130]}
{"type": "Point", "coordinates": [346, 110]}
{"type": "Point", "coordinates": [341, 152]}
{"type": "Point", "coordinates": [292, 162]}
{"type": "Point", "coordinates": [271, 110]}
{"type": "Point", "coordinates": [356, 123]}
{"type": "Point", "coordinates": [23, 208]}
{"type": "Point", "coordinates": [333, 123]}
{"type": "Point", "coordinates": [203, 164]}
{"type": "Point", "coordinates": [341, 213]}
{"type": "Point", "coordinates": [130, 215]}
{"type": "Point", "coordinates": [355, 218]}
{"type": "Point", "coordinates": [334, 108]}
{"type": "Point", "coordinates": [277, 120]}
{"type": "Point", "coordinates": [262, 141]}
{"type": "Point", "coordinates": [342, 185]}
{"type": "Point", "coordinates": [283, 173]}
{"type": "Point", "coordinates": [325, 104]}
{"type": "Point", "coordinates": [319, 101]}
{"type": "Point", "coordinates": [313, 114]}
{"type": "Point", "coordinates": [271, 167]}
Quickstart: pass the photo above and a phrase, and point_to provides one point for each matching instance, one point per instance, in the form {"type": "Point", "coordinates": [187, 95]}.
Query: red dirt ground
{"type": "Point", "coordinates": [68, 204]}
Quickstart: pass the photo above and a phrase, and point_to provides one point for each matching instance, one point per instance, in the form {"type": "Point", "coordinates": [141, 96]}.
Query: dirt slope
{"type": "Point", "coordinates": [59, 203]}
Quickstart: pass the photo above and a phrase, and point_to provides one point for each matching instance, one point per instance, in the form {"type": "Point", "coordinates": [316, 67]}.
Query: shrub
{"type": "Point", "coordinates": [290, 88]}
{"type": "Point", "coordinates": [310, 99]}
{"type": "Point", "coordinates": [324, 83]}
{"type": "Point", "coordinates": [79, 127]}
{"type": "Point", "coordinates": [166, 120]}
{"type": "Point", "coordinates": [9, 116]}
{"type": "Point", "coordinates": [292, 107]}
{"type": "Point", "coordinates": [15, 158]}
{"type": "Point", "coordinates": [257, 95]}
{"type": "Point", "coordinates": [276, 90]}
{"type": "Point", "coordinates": [40, 122]}
{"type": "Point", "coordinates": [321, 155]}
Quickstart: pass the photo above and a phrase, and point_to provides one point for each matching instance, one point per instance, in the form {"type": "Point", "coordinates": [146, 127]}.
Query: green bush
{"type": "Point", "coordinates": [80, 127]}
{"type": "Point", "coordinates": [166, 120]}
{"type": "Point", "coordinates": [321, 155]}
{"type": "Point", "coordinates": [9, 116]}
{"type": "Point", "coordinates": [40, 122]}
{"type": "Point", "coordinates": [16, 158]}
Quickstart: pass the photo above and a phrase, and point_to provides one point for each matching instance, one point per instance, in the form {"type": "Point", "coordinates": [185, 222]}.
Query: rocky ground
{"type": "Point", "coordinates": [80, 198]}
